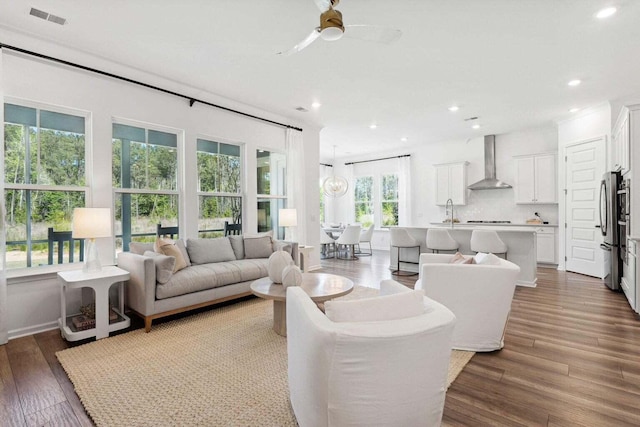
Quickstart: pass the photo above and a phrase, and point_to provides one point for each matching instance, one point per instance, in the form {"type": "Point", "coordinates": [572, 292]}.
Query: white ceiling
{"type": "Point", "coordinates": [506, 61]}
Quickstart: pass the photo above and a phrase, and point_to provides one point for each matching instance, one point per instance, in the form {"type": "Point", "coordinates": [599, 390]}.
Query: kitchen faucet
{"type": "Point", "coordinates": [449, 201]}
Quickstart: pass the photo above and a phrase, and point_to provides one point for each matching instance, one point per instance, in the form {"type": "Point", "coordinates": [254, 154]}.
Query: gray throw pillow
{"type": "Point", "coordinates": [237, 243]}
{"type": "Point", "coordinates": [279, 245]}
{"type": "Point", "coordinates": [257, 247]}
{"type": "Point", "coordinates": [205, 251]}
{"type": "Point", "coordinates": [180, 245]}
{"type": "Point", "coordinates": [140, 248]}
{"type": "Point", "coordinates": [164, 265]}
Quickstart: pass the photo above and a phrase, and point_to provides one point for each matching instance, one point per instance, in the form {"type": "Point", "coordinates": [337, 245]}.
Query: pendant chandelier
{"type": "Point", "coordinates": [335, 186]}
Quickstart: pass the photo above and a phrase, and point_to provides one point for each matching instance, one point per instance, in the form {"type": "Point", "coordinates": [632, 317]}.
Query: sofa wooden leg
{"type": "Point", "coordinates": [147, 323]}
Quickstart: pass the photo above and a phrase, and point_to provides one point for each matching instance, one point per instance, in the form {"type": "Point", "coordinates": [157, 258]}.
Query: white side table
{"type": "Point", "coordinates": [100, 282]}
{"type": "Point", "coordinates": [304, 252]}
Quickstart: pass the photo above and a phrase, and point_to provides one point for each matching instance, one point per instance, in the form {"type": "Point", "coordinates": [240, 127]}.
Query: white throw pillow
{"type": "Point", "coordinates": [486, 259]}
{"type": "Point", "coordinates": [387, 307]}
{"type": "Point", "coordinates": [164, 266]}
{"type": "Point", "coordinates": [390, 287]}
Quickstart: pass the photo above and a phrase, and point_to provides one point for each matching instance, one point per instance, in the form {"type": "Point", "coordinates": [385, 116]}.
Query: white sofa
{"type": "Point", "coordinates": [479, 295]}
{"type": "Point", "coordinates": [375, 373]}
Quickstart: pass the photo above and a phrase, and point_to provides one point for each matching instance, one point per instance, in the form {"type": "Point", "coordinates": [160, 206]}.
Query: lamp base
{"type": "Point", "coordinates": [91, 260]}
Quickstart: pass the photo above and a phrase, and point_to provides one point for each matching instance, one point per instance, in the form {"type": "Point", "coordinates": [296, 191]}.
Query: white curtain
{"type": "Point", "coordinates": [350, 200]}
{"type": "Point", "coordinates": [295, 184]}
{"type": "Point", "coordinates": [404, 191]}
{"type": "Point", "coordinates": [4, 318]}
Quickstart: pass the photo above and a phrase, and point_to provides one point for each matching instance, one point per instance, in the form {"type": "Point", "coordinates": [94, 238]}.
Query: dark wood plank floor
{"type": "Point", "coordinates": [571, 358]}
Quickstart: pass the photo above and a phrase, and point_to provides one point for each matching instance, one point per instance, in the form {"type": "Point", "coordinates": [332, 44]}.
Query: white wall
{"type": "Point", "coordinates": [481, 204]}
{"type": "Point", "coordinates": [589, 124]}
{"type": "Point", "coordinates": [35, 304]}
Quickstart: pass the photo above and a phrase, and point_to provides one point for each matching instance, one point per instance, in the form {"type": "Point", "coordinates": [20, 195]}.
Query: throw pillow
{"type": "Point", "coordinates": [458, 258]}
{"type": "Point", "coordinates": [183, 249]}
{"type": "Point", "coordinates": [205, 251]}
{"type": "Point", "coordinates": [257, 247]}
{"type": "Point", "coordinates": [164, 266]}
{"type": "Point", "coordinates": [140, 248]}
{"type": "Point", "coordinates": [237, 244]}
{"type": "Point", "coordinates": [168, 247]}
{"type": "Point", "coordinates": [487, 259]}
{"type": "Point", "coordinates": [277, 262]}
{"type": "Point", "coordinates": [388, 307]}
{"type": "Point", "coordinates": [390, 287]}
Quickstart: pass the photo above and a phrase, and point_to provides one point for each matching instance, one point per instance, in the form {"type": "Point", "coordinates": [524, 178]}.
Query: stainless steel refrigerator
{"type": "Point", "coordinates": [609, 228]}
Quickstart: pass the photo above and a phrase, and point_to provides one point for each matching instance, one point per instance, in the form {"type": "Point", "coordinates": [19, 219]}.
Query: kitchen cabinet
{"type": "Point", "coordinates": [546, 245]}
{"type": "Point", "coordinates": [620, 141]}
{"type": "Point", "coordinates": [451, 183]}
{"type": "Point", "coordinates": [629, 279]}
{"type": "Point", "coordinates": [536, 179]}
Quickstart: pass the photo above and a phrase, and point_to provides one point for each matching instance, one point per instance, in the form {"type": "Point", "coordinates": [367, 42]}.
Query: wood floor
{"type": "Point", "coordinates": [571, 358]}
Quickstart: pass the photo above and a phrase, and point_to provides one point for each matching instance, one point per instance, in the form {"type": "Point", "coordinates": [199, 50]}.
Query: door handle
{"type": "Point", "coordinates": [597, 226]}
{"type": "Point", "coordinates": [605, 247]}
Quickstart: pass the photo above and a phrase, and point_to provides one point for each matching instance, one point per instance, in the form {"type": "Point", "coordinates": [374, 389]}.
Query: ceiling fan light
{"type": "Point", "coordinates": [331, 33]}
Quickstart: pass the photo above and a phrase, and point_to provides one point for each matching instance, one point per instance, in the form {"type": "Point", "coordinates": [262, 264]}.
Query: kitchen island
{"type": "Point", "coordinates": [521, 242]}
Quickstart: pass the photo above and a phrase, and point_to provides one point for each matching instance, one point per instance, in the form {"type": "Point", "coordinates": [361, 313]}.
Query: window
{"type": "Point", "coordinates": [45, 179]}
{"type": "Point", "coordinates": [389, 200]}
{"type": "Point", "coordinates": [363, 196]}
{"type": "Point", "coordinates": [145, 170]}
{"type": "Point", "coordinates": [219, 187]}
{"type": "Point", "coordinates": [369, 200]}
{"type": "Point", "coordinates": [271, 175]}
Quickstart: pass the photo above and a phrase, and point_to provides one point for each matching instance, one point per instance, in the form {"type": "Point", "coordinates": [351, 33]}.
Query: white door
{"type": "Point", "coordinates": [585, 165]}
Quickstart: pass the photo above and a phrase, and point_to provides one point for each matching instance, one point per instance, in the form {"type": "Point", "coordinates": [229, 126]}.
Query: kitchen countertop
{"type": "Point", "coordinates": [488, 224]}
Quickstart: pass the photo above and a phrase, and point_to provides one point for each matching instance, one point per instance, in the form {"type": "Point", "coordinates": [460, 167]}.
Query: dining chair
{"type": "Point", "coordinates": [365, 237]}
{"type": "Point", "coordinates": [350, 237]}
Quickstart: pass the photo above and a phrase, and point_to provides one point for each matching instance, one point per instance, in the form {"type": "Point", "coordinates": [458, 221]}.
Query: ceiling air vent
{"type": "Point", "coordinates": [302, 109]}
{"type": "Point", "coordinates": [47, 16]}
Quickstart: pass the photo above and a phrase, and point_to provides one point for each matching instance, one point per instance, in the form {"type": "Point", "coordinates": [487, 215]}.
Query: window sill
{"type": "Point", "coordinates": [34, 274]}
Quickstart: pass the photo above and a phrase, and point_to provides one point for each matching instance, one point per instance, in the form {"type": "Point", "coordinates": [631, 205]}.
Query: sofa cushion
{"type": "Point", "coordinates": [204, 251]}
{"type": "Point", "coordinates": [183, 249]}
{"type": "Point", "coordinates": [389, 307]}
{"type": "Point", "coordinates": [164, 265]}
{"type": "Point", "coordinates": [168, 247]}
{"type": "Point", "coordinates": [486, 259]}
{"type": "Point", "coordinates": [458, 258]}
{"type": "Point", "coordinates": [237, 244]}
{"type": "Point", "coordinates": [140, 248]}
{"type": "Point", "coordinates": [213, 275]}
{"type": "Point", "coordinates": [258, 247]}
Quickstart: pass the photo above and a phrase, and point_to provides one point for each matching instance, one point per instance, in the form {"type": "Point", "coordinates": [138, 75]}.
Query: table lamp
{"type": "Point", "coordinates": [287, 218]}
{"type": "Point", "coordinates": [91, 224]}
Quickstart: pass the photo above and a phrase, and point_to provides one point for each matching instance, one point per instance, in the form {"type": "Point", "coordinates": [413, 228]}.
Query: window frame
{"type": "Point", "coordinates": [178, 192]}
{"type": "Point", "coordinates": [241, 194]}
{"type": "Point", "coordinates": [84, 189]}
{"type": "Point", "coordinates": [377, 196]}
{"type": "Point", "coordinates": [280, 200]}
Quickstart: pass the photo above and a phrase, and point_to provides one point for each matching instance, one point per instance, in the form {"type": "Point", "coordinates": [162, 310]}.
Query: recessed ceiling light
{"type": "Point", "coordinates": [606, 12]}
{"type": "Point", "coordinates": [404, 139]}
{"type": "Point", "coordinates": [316, 104]}
{"type": "Point", "coordinates": [574, 82]}
{"type": "Point", "coordinates": [476, 126]}
{"type": "Point", "coordinates": [373, 126]}
{"type": "Point", "coordinates": [454, 108]}
{"type": "Point", "coordinates": [574, 110]}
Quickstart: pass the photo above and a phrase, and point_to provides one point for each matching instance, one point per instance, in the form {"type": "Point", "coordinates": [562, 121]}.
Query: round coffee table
{"type": "Point", "coordinates": [319, 286]}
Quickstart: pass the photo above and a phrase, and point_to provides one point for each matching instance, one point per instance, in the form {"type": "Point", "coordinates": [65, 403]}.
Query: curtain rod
{"type": "Point", "coordinates": [191, 99]}
{"type": "Point", "coordinates": [377, 160]}
{"type": "Point", "coordinates": [327, 165]}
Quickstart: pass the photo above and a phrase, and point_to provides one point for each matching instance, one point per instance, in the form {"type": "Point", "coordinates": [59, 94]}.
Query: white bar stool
{"type": "Point", "coordinates": [400, 238]}
{"type": "Point", "coordinates": [439, 239]}
{"type": "Point", "coordinates": [326, 242]}
{"type": "Point", "coordinates": [487, 241]}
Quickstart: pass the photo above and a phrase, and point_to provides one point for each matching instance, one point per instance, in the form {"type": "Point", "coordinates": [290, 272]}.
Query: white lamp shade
{"type": "Point", "coordinates": [287, 218]}
{"type": "Point", "coordinates": [91, 223]}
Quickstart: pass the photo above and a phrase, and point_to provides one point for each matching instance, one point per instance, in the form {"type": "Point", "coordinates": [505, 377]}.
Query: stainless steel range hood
{"type": "Point", "coordinates": [490, 182]}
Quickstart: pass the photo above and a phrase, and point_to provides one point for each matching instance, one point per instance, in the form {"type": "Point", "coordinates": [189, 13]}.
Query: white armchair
{"type": "Point", "coordinates": [479, 295]}
{"type": "Point", "coordinates": [375, 373]}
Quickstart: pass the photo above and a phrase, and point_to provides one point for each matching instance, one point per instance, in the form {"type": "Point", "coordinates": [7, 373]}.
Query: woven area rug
{"type": "Point", "coordinates": [223, 367]}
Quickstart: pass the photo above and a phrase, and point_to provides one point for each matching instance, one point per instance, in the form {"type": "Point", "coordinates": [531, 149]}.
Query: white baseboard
{"type": "Point", "coordinates": [34, 329]}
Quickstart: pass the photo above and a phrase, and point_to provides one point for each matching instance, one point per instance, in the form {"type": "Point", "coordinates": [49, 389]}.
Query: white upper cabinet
{"type": "Point", "coordinates": [620, 142]}
{"type": "Point", "coordinates": [536, 179]}
{"type": "Point", "coordinates": [451, 183]}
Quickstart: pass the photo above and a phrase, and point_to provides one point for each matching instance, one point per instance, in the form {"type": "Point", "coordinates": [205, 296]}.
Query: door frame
{"type": "Point", "coordinates": [562, 185]}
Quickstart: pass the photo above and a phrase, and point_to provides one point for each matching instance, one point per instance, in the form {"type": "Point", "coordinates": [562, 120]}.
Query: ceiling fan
{"type": "Point", "coordinates": [332, 28]}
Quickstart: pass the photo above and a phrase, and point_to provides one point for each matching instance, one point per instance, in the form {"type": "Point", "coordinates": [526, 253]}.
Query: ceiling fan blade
{"type": "Point", "coordinates": [372, 33]}
{"type": "Point", "coordinates": [304, 43]}
{"type": "Point", "coordinates": [323, 5]}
